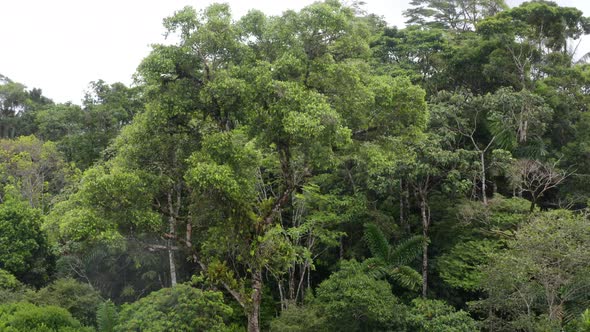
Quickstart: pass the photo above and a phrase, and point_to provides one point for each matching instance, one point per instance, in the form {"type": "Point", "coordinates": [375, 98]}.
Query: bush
{"type": "Point", "coordinates": [351, 300]}
{"type": "Point", "coordinates": [180, 308]}
{"type": "Point", "coordinates": [433, 315]}
{"type": "Point", "coordinates": [27, 317]}
{"type": "Point", "coordinates": [80, 299]}
{"type": "Point", "coordinates": [8, 281]}
{"type": "Point", "coordinates": [25, 250]}
{"type": "Point", "coordinates": [298, 319]}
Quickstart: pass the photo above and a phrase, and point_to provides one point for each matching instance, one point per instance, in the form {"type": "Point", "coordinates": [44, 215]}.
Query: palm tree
{"type": "Point", "coordinates": [392, 261]}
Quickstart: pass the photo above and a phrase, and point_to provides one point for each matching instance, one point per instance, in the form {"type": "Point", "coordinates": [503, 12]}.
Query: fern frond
{"type": "Point", "coordinates": [106, 316]}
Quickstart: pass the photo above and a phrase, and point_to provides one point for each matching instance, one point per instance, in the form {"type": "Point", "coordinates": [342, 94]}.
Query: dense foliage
{"type": "Point", "coordinates": [313, 171]}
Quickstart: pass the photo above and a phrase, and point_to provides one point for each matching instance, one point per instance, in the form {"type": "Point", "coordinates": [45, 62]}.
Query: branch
{"type": "Point", "coordinates": [237, 295]}
{"type": "Point", "coordinates": [356, 134]}
{"type": "Point", "coordinates": [154, 247]}
{"type": "Point", "coordinates": [278, 205]}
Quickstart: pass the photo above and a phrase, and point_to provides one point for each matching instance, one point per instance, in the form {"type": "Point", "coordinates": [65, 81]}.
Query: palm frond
{"type": "Point", "coordinates": [584, 59]}
{"type": "Point", "coordinates": [406, 251]}
{"type": "Point", "coordinates": [577, 293]}
{"type": "Point", "coordinates": [407, 277]}
{"type": "Point", "coordinates": [376, 241]}
{"type": "Point", "coordinates": [375, 268]}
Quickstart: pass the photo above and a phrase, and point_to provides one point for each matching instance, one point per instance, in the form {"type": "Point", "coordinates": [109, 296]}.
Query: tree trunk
{"type": "Point", "coordinates": [172, 235]}
{"type": "Point", "coordinates": [300, 290]}
{"type": "Point", "coordinates": [172, 265]}
{"type": "Point", "coordinates": [292, 273]}
{"type": "Point", "coordinates": [425, 226]}
{"type": "Point", "coordinates": [282, 298]}
{"type": "Point", "coordinates": [254, 310]}
{"type": "Point", "coordinates": [406, 199]}
{"type": "Point", "coordinates": [172, 230]}
{"type": "Point", "coordinates": [533, 204]}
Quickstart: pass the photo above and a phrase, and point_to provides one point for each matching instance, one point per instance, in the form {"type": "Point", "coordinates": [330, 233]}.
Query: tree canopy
{"type": "Point", "coordinates": [315, 170]}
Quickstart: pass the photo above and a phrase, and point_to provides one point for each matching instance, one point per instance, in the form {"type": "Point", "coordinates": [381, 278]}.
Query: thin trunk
{"type": "Point", "coordinates": [189, 233]}
{"type": "Point", "coordinates": [308, 279]}
{"type": "Point", "coordinates": [424, 268]}
{"type": "Point", "coordinates": [172, 265]}
{"type": "Point", "coordinates": [256, 298]}
{"type": "Point", "coordinates": [189, 237]}
{"type": "Point", "coordinates": [483, 178]}
{"type": "Point", "coordinates": [301, 280]}
{"type": "Point", "coordinates": [172, 231]}
{"type": "Point", "coordinates": [292, 271]}
{"type": "Point", "coordinates": [284, 304]}
{"type": "Point", "coordinates": [42, 196]}
{"type": "Point", "coordinates": [171, 252]}
{"type": "Point", "coordinates": [352, 183]}
{"type": "Point", "coordinates": [425, 226]}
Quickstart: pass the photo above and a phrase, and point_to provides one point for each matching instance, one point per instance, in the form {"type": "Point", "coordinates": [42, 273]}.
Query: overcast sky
{"type": "Point", "coordinates": [62, 45]}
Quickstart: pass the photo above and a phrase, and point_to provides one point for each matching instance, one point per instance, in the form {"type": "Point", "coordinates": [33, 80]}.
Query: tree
{"type": "Point", "coordinates": [477, 234]}
{"type": "Point", "coordinates": [563, 91]}
{"type": "Point", "coordinates": [11, 289]}
{"type": "Point", "coordinates": [434, 315]}
{"type": "Point", "coordinates": [518, 118]}
{"type": "Point", "coordinates": [508, 119]}
{"type": "Point", "coordinates": [35, 168]}
{"type": "Point", "coordinates": [461, 266]}
{"type": "Point", "coordinates": [535, 178]}
{"type": "Point", "coordinates": [316, 218]}
{"type": "Point", "coordinates": [83, 133]}
{"type": "Point", "coordinates": [180, 308]}
{"type": "Point", "coordinates": [457, 15]}
{"type": "Point", "coordinates": [541, 276]}
{"type": "Point", "coordinates": [79, 299]}
{"type": "Point", "coordinates": [429, 167]}
{"type": "Point", "coordinates": [8, 281]}
{"type": "Point", "coordinates": [575, 157]}
{"type": "Point", "coordinates": [264, 142]}
{"type": "Point", "coordinates": [17, 108]}
{"type": "Point", "coordinates": [17, 317]}
{"type": "Point", "coordinates": [353, 300]}
{"type": "Point", "coordinates": [299, 318]}
{"type": "Point", "coordinates": [108, 232]}
{"type": "Point", "coordinates": [531, 32]}
{"type": "Point", "coordinates": [26, 251]}
{"type": "Point", "coordinates": [416, 52]}
{"type": "Point", "coordinates": [464, 115]}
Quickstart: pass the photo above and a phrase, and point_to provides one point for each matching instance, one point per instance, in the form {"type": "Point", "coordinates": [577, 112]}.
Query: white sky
{"type": "Point", "coordinates": [62, 45]}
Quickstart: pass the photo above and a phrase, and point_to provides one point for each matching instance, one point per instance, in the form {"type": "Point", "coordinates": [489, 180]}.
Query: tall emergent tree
{"type": "Point", "coordinates": [241, 117]}
{"type": "Point", "coordinates": [252, 153]}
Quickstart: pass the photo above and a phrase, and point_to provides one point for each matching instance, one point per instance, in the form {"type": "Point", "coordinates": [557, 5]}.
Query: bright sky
{"type": "Point", "coordinates": [62, 45]}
